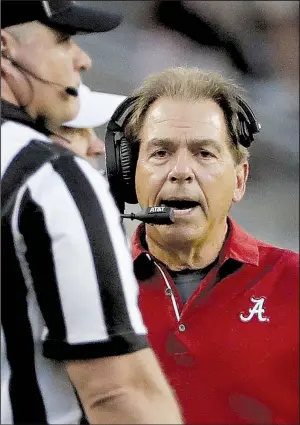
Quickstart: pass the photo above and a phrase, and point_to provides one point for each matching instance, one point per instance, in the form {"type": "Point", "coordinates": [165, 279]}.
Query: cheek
{"type": "Point", "coordinates": [147, 182]}
{"type": "Point", "coordinates": [63, 61]}
{"type": "Point", "coordinates": [56, 63]}
{"type": "Point", "coordinates": [218, 185]}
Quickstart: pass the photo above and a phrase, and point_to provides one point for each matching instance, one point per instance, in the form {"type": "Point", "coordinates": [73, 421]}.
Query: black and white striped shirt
{"type": "Point", "coordinates": [68, 288]}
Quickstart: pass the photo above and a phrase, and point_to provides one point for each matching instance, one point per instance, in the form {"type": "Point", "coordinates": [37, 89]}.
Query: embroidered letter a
{"type": "Point", "coordinates": [257, 309]}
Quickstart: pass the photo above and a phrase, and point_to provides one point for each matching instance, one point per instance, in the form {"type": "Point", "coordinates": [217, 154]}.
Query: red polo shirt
{"type": "Point", "coordinates": [231, 352]}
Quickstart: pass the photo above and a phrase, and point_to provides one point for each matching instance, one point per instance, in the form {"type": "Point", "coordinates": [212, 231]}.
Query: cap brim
{"type": "Point", "coordinates": [86, 20]}
{"type": "Point", "coordinates": [95, 110]}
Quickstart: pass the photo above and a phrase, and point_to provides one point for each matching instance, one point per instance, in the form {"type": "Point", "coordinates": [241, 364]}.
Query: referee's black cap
{"type": "Point", "coordinates": [64, 14]}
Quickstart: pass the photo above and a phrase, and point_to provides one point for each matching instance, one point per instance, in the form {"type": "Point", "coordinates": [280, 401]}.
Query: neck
{"type": "Point", "coordinates": [7, 94]}
{"type": "Point", "coordinates": [20, 100]}
{"type": "Point", "coordinates": [194, 255]}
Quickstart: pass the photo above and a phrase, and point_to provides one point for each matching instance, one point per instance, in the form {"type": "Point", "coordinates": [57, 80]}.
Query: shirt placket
{"type": "Point", "coordinates": [171, 292]}
{"type": "Point", "coordinates": [181, 311]}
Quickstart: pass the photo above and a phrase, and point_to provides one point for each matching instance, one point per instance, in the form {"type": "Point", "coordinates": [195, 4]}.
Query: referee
{"type": "Point", "coordinates": [70, 326]}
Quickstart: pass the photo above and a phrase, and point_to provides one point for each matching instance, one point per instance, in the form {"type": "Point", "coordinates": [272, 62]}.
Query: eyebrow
{"type": "Point", "coordinates": [166, 142]}
{"type": "Point", "coordinates": [61, 35]}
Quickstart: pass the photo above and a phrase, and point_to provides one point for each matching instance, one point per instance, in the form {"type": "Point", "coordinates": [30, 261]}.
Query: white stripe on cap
{"type": "Point", "coordinates": [47, 8]}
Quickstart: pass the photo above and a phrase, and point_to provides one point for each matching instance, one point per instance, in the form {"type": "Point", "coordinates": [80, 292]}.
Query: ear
{"type": "Point", "coordinates": [8, 47]}
{"type": "Point", "coordinates": [4, 53]}
{"type": "Point", "coordinates": [4, 41]}
{"type": "Point", "coordinates": [8, 44]}
{"type": "Point", "coordinates": [15, 86]}
{"type": "Point", "coordinates": [242, 172]}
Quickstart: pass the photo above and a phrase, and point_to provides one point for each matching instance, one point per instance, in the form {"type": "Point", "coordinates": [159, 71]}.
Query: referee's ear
{"type": "Point", "coordinates": [8, 47]}
{"type": "Point", "coordinates": [5, 53]}
{"type": "Point", "coordinates": [14, 86]}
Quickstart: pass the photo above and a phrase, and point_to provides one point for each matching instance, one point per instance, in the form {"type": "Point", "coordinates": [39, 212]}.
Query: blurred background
{"type": "Point", "coordinates": [254, 42]}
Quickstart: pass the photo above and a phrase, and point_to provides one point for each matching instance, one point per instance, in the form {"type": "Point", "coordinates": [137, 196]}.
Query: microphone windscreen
{"type": "Point", "coordinates": [72, 91]}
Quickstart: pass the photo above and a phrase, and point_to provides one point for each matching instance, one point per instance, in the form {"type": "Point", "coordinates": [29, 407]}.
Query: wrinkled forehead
{"type": "Point", "coordinates": [184, 111]}
{"type": "Point", "coordinates": [184, 120]}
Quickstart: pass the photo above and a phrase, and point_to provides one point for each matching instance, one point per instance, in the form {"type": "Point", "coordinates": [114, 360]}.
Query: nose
{"type": "Point", "coordinates": [96, 145]}
{"type": "Point", "coordinates": [181, 170]}
{"type": "Point", "coordinates": [83, 62]}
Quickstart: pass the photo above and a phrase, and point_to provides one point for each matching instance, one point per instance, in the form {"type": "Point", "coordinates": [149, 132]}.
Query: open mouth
{"type": "Point", "coordinates": [181, 206]}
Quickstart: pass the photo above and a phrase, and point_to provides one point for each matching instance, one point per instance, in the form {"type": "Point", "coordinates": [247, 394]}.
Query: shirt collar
{"type": "Point", "coordinates": [239, 245]}
{"type": "Point", "coordinates": [138, 241]}
{"type": "Point", "coordinates": [15, 113]}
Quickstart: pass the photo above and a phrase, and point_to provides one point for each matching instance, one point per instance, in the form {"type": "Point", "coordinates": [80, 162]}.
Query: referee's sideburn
{"type": "Point", "coordinates": [72, 333]}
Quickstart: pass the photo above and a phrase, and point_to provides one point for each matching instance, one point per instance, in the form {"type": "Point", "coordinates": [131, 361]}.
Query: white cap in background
{"type": "Point", "coordinates": [95, 108]}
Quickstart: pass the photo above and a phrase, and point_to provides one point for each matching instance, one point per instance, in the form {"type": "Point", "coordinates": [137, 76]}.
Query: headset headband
{"type": "Point", "coordinates": [123, 111]}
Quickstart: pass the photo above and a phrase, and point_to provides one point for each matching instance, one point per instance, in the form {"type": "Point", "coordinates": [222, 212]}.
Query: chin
{"type": "Point", "coordinates": [64, 115]}
{"type": "Point", "coordinates": [180, 233]}
{"type": "Point", "coordinates": [71, 109]}
{"type": "Point", "coordinates": [61, 115]}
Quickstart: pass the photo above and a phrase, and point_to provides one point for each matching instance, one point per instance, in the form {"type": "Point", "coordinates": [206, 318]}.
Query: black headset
{"type": "Point", "coordinates": [121, 154]}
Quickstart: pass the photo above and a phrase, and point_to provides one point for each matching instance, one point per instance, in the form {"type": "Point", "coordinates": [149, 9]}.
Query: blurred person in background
{"type": "Point", "coordinates": [79, 134]}
{"type": "Point", "coordinates": [221, 307]}
{"type": "Point", "coordinates": [70, 323]}
{"type": "Point", "coordinates": [258, 42]}
{"type": "Point", "coordinates": [260, 38]}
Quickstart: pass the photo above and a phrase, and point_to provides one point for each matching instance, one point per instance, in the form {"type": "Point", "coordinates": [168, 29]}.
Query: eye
{"type": "Point", "coordinates": [62, 37]}
{"type": "Point", "coordinates": [206, 154]}
{"type": "Point", "coordinates": [161, 153]}
{"type": "Point", "coordinates": [65, 39]}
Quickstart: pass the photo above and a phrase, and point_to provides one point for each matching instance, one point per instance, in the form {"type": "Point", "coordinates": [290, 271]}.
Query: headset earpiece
{"type": "Point", "coordinates": [247, 124]}
{"type": "Point", "coordinates": [121, 156]}
{"type": "Point", "coordinates": [128, 166]}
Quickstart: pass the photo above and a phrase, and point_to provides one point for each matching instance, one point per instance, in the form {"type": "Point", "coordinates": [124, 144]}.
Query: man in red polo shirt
{"type": "Point", "coordinates": [221, 306]}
